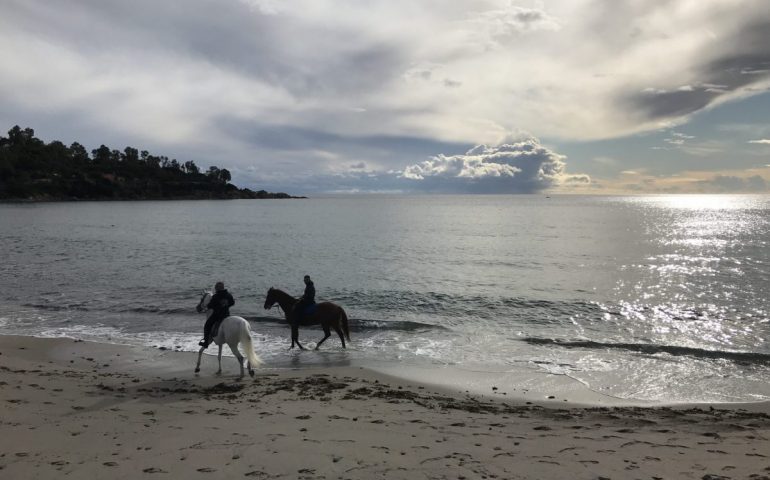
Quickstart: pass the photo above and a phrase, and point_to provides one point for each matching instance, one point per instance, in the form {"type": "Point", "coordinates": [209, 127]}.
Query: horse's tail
{"type": "Point", "coordinates": [248, 345]}
{"type": "Point", "coordinates": [344, 321]}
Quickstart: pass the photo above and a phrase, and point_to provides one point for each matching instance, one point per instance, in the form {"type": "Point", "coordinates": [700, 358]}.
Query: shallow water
{"type": "Point", "coordinates": [659, 298]}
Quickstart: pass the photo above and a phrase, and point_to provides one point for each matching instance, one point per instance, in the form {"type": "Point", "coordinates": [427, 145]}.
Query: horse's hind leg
{"type": "Point", "coordinates": [327, 334]}
{"type": "Point", "coordinates": [238, 356]}
{"type": "Point", "coordinates": [342, 337]}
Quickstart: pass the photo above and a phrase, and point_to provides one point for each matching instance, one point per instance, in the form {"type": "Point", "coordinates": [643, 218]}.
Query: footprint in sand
{"type": "Point", "coordinates": [256, 473]}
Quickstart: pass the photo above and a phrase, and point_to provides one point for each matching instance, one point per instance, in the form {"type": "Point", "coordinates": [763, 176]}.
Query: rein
{"type": "Point", "coordinates": [276, 304]}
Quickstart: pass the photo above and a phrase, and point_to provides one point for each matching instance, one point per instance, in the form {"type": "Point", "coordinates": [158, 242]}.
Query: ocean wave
{"type": "Point", "coordinates": [653, 349]}
{"type": "Point", "coordinates": [364, 325]}
{"type": "Point", "coordinates": [57, 308]}
{"type": "Point", "coordinates": [356, 324]}
{"type": "Point", "coordinates": [454, 305]}
{"type": "Point", "coordinates": [81, 307]}
{"type": "Point", "coordinates": [392, 302]}
{"type": "Point", "coordinates": [156, 310]}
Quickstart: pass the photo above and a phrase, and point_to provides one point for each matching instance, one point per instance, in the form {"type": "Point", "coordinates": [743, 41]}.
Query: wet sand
{"type": "Point", "coordinates": [87, 410]}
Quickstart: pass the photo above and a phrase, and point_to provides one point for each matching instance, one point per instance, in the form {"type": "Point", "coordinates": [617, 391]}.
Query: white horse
{"type": "Point", "coordinates": [232, 330]}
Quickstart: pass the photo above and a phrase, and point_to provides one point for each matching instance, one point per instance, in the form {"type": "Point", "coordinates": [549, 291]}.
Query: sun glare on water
{"type": "Point", "coordinates": [703, 202]}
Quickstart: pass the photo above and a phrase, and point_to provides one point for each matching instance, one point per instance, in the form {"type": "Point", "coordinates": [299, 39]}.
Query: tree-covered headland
{"type": "Point", "coordinates": [31, 169]}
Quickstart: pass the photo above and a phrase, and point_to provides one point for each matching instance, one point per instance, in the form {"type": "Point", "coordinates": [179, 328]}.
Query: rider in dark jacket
{"type": "Point", "coordinates": [220, 303]}
{"type": "Point", "coordinates": [308, 298]}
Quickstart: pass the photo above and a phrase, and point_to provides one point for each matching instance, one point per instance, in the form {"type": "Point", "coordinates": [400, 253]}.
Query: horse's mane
{"type": "Point", "coordinates": [280, 293]}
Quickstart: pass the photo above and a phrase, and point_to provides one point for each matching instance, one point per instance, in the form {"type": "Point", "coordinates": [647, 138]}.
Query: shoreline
{"type": "Point", "coordinates": [26, 201]}
{"type": "Point", "coordinates": [517, 384]}
{"type": "Point", "coordinates": [91, 409]}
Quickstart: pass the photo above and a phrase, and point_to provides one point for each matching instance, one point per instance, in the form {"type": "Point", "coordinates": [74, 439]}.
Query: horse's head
{"type": "Point", "coordinates": [204, 301]}
{"type": "Point", "coordinates": [270, 300]}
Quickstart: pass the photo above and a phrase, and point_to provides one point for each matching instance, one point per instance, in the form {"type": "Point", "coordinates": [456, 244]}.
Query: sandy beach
{"type": "Point", "coordinates": [88, 410]}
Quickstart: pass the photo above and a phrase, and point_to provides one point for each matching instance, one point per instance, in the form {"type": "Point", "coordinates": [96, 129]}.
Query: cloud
{"type": "Point", "coordinates": [557, 67]}
{"type": "Point", "coordinates": [763, 141]}
{"type": "Point", "coordinates": [267, 7]}
{"type": "Point", "coordinates": [524, 166]}
{"type": "Point", "coordinates": [752, 180]}
{"type": "Point", "coordinates": [684, 143]}
{"type": "Point", "coordinates": [501, 26]}
{"type": "Point", "coordinates": [678, 138]}
{"type": "Point", "coordinates": [318, 85]}
{"type": "Point", "coordinates": [734, 184]}
{"type": "Point", "coordinates": [720, 69]}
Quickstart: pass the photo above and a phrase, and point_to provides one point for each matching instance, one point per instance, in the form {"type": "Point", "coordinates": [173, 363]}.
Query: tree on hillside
{"type": "Point", "coordinates": [79, 153]}
{"type": "Point", "coordinates": [191, 167]}
{"type": "Point", "coordinates": [33, 169]}
{"type": "Point", "coordinates": [131, 155]}
{"type": "Point", "coordinates": [221, 175]}
{"type": "Point", "coordinates": [101, 155]}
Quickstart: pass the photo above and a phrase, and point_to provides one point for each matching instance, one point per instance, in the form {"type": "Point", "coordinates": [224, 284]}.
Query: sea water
{"type": "Point", "coordinates": [659, 298]}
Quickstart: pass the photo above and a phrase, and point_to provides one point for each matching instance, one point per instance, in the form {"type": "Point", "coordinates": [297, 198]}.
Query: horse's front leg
{"type": "Point", "coordinates": [219, 358]}
{"type": "Point", "coordinates": [198, 365]}
{"type": "Point", "coordinates": [295, 337]}
{"type": "Point", "coordinates": [293, 331]}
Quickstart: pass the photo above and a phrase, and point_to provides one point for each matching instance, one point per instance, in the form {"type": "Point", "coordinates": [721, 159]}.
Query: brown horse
{"type": "Point", "coordinates": [327, 314]}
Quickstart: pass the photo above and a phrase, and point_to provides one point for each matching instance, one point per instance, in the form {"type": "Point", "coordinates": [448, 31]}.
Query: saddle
{"type": "Point", "coordinates": [309, 310]}
{"type": "Point", "coordinates": [304, 312]}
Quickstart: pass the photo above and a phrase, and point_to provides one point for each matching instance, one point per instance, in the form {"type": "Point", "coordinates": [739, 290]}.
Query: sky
{"type": "Point", "coordinates": [441, 96]}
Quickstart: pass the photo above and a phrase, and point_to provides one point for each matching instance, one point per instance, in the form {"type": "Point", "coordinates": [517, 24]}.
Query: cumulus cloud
{"type": "Point", "coordinates": [524, 166]}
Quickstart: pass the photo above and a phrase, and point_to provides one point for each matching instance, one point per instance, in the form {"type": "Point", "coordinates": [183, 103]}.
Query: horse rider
{"type": "Point", "coordinates": [220, 303]}
{"type": "Point", "coordinates": [307, 299]}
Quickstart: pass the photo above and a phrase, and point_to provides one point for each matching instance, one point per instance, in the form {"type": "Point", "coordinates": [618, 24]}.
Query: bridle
{"type": "Point", "coordinates": [275, 303]}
